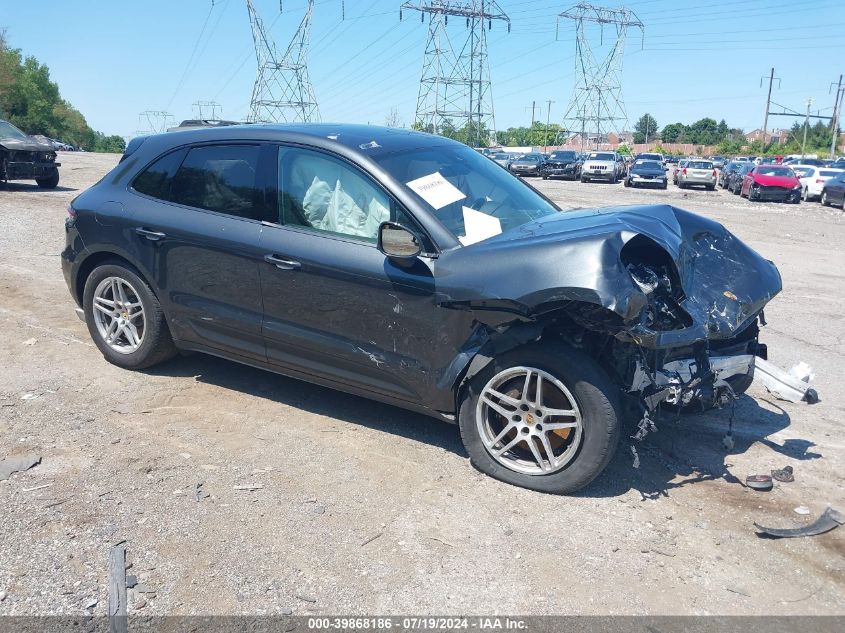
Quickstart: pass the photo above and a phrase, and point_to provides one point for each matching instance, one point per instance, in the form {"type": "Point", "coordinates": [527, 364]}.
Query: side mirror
{"type": "Point", "coordinates": [394, 240]}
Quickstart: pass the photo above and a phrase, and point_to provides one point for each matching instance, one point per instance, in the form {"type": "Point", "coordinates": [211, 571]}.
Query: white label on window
{"type": "Point", "coordinates": [479, 226]}
{"type": "Point", "coordinates": [436, 190]}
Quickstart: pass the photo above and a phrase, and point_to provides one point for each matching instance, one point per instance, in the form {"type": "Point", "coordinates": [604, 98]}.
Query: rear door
{"type": "Point", "coordinates": [334, 306]}
{"type": "Point", "coordinates": [198, 233]}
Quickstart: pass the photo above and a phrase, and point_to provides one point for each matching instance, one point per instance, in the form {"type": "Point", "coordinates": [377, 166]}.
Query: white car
{"type": "Point", "coordinates": [812, 179]}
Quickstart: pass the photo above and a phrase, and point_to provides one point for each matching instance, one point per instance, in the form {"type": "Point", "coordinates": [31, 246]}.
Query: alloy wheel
{"type": "Point", "coordinates": [528, 421]}
{"type": "Point", "coordinates": [119, 315]}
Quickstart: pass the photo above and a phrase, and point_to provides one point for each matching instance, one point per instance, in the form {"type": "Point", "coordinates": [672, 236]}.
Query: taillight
{"type": "Point", "coordinates": [819, 181]}
{"type": "Point", "coordinates": [684, 171]}
{"type": "Point", "coordinates": [714, 173]}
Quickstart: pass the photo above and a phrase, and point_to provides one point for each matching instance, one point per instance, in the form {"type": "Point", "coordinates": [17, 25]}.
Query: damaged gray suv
{"type": "Point", "coordinates": [410, 269]}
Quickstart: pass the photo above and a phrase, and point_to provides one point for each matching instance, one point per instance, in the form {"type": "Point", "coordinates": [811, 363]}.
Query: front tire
{"type": "Point", "coordinates": [556, 441]}
{"type": "Point", "coordinates": [51, 182]}
{"type": "Point", "coordinates": [125, 319]}
{"type": "Point", "coordinates": [825, 201]}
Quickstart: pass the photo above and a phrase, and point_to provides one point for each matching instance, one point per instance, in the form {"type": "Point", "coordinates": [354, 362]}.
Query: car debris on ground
{"type": "Point", "coordinates": [829, 520]}
{"type": "Point", "coordinates": [17, 464]}
{"type": "Point", "coordinates": [792, 385]}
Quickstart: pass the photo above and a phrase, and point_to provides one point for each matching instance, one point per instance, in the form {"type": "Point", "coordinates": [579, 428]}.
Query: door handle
{"type": "Point", "coordinates": [153, 236]}
{"type": "Point", "coordinates": [282, 263]}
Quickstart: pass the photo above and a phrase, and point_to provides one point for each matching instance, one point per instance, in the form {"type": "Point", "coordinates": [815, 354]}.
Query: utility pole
{"type": "Point", "coordinates": [548, 119]}
{"type": "Point", "coordinates": [533, 108]}
{"type": "Point", "coordinates": [834, 120]}
{"type": "Point", "coordinates": [768, 105]}
{"type": "Point", "coordinates": [806, 125]}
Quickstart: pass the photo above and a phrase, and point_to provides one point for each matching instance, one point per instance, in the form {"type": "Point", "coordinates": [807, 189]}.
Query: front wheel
{"type": "Point", "coordinates": [50, 182]}
{"type": "Point", "coordinates": [825, 201]}
{"type": "Point", "coordinates": [543, 418]}
{"type": "Point", "coordinates": [125, 319]}
{"type": "Point", "coordinates": [806, 194]}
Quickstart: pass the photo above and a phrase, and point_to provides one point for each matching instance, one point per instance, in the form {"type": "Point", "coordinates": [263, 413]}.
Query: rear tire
{"type": "Point", "coordinates": [580, 451]}
{"type": "Point", "coordinates": [150, 342]}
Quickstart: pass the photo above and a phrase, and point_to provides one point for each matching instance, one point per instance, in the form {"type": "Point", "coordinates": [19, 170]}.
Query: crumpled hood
{"type": "Point", "coordinates": [787, 182]}
{"type": "Point", "coordinates": [27, 145]}
{"type": "Point", "coordinates": [577, 256]}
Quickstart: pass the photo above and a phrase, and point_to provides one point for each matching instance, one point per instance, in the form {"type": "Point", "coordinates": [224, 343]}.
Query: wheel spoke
{"type": "Point", "coordinates": [567, 413]}
{"type": "Point", "coordinates": [508, 428]}
{"type": "Point", "coordinates": [139, 312]}
{"type": "Point", "coordinates": [115, 293]}
{"type": "Point", "coordinates": [102, 301]}
{"type": "Point", "coordinates": [131, 333]}
{"type": "Point", "coordinates": [508, 446]}
{"type": "Point", "coordinates": [555, 426]}
{"type": "Point", "coordinates": [526, 386]}
{"type": "Point", "coordinates": [538, 398]}
{"type": "Point", "coordinates": [104, 309]}
{"type": "Point", "coordinates": [112, 331]}
{"type": "Point", "coordinates": [123, 299]}
{"type": "Point", "coordinates": [536, 454]}
{"type": "Point", "coordinates": [544, 440]}
{"type": "Point", "coordinates": [497, 407]}
{"type": "Point", "coordinates": [503, 397]}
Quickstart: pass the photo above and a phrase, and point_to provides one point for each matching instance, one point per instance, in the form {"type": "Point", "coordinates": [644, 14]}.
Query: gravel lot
{"type": "Point", "coordinates": [369, 509]}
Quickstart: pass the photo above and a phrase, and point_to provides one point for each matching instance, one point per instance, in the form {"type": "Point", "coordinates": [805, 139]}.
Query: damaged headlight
{"type": "Point", "coordinates": [647, 279]}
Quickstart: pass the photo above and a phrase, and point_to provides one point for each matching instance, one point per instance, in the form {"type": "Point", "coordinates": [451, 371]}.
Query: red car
{"type": "Point", "coordinates": [771, 182]}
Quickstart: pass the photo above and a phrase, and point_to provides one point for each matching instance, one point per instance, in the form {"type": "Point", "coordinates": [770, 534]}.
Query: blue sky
{"type": "Point", "coordinates": [113, 60]}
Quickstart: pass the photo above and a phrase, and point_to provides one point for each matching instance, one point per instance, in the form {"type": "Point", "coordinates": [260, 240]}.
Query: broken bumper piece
{"type": "Point", "coordinates": [681, 381]}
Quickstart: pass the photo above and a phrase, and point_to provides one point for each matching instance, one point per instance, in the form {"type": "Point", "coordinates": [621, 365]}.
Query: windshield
{"type": "Point", "coordinates": [501, 156]}
{"type": "Point", "coordinates": [803, 171]}
{"type": "Point", "coordinates": [563, 156]}
{"type": "Point", "coordinates": [829, 173]}
{"type": "Point", "coordinates": [600, 156]}
{"type": "Point", "coordinates": [471, 196]}
{"type": "Point", "coordinates": [657, 157]}
{"type": "Point", "coordinates": [776, 171]}
{"type": "Point", "coordinates": [7, 130]}
{"type": "Point", "coordinates": [700, 164]}
{"type": "Point", "coordinates": [649, 164]}
{"type": "Point", "coordinates": [529, 158]}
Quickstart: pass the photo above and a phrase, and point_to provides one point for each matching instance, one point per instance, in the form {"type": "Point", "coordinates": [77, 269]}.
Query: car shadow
{"type": "Point", "coordinates": [314, 399]}
{"type": "Point", "coordinates": [687, 449]}
{"type": "Point", "coordinates": [20, 186]}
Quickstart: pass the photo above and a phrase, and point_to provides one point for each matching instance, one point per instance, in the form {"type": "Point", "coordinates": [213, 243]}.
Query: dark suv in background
{"type": "Point", "coordinates": [563, 163]}
{"type": "Point", "coordinates": [25, 157]}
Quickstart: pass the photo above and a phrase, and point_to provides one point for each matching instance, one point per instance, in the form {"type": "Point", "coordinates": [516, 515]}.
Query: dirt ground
{"type": "Point", "coordinates": [368, 509]}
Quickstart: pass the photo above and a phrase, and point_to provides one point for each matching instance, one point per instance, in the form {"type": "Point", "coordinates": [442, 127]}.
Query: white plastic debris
{"type": "Point", "coordinates": [802, 371]}
{"type": "Point", "coordinates": [803, 510]}
{"type": "Point", "coordinates": [782, 384]}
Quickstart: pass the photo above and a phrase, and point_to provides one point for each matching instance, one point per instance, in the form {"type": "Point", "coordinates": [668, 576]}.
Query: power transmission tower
{"type": "Point", "coordinates": [455, 87]}
{"type": "Point", "coordinates": [155, 121]}
{"type": "Point", "coordinates": [282, 91]}
{"type": "Point", "coordinates": [203, 106]}
{"type": "Point", "coordinates": [596, 106]}
{"type": "Point", "coordinates": [834, 120]}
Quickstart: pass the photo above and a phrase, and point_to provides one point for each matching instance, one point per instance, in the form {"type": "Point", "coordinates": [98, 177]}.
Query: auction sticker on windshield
{"type": "Point", "coordinates": [436, 190]}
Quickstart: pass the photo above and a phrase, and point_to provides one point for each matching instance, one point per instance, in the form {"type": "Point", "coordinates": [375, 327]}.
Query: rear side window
{"type": "Point", "coordinates": [220, 178]}
{"type": "Point", "coordinates": [156, 179]}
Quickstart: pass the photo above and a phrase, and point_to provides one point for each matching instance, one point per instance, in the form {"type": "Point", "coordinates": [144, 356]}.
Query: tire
{"type": "Point", "coordinates": [584, 451]}
{"type": "Point", "coordinates": [825, 200]}
{"type": "Point", "coordinates": [665, 185]}
{"type": "Point", "coordinates": [154, 343]}
{"type": "Point", "coordinates": [627, 182]}
{"type": "Point", "coordinates": [545, 177]}
{"type": "Point", "coordinates": [50, 182]}
{"type": "Point", "coordinates": [805, 195]}
{"type": "Point", "coordinates": [584, 179]}
{"type": "Point", "coordinates": [711, 187]}
{"type": "Point", "coordinates": [681, 185]}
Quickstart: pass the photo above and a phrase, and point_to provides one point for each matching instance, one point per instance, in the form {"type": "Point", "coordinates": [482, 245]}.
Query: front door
{"type": "Point", "coordinates": [334, 306]}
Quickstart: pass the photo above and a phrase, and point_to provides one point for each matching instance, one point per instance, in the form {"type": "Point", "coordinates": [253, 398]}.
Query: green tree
{"type": "Point", "coordinates": [30, 100]}
{"type": "Point", "coordinates": [673, 133]}
{"type": "Point", "coordinates": [646, 129]}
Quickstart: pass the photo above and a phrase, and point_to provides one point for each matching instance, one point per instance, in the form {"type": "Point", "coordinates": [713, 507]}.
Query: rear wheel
{"type": "Point", "coordinates": [541, 418]}
{"type": "Point", "coordinates": [125, 318]}
{"type": "Point", "coordinates": [806, 194]}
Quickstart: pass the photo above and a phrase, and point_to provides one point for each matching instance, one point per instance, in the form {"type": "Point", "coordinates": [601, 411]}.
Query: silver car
{"type": "Point", "coordinates": [697, 172]}
{"type": "Point", "coordinates": [607, 166]}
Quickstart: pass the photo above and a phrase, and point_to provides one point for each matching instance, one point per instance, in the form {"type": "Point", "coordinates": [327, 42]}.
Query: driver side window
{"type": "Point", "coordinates": [324, 194]}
